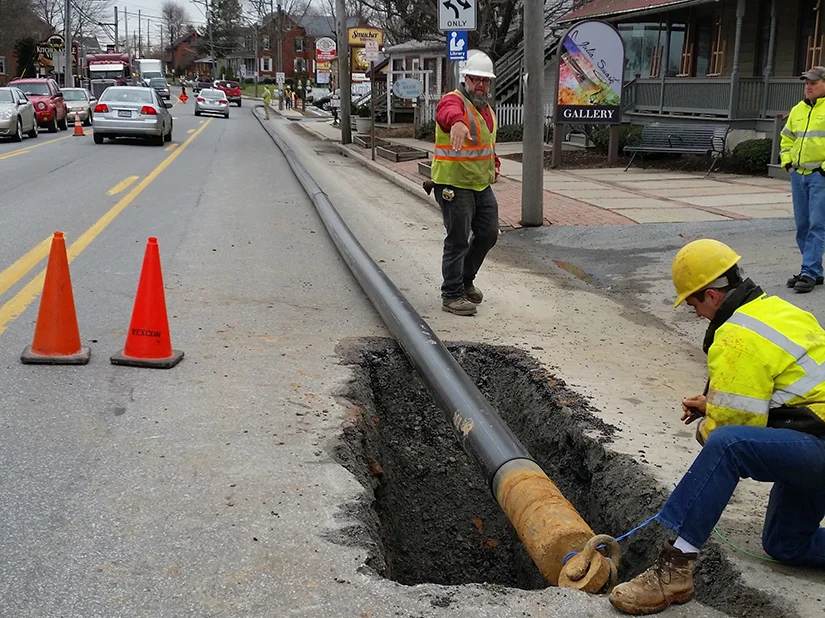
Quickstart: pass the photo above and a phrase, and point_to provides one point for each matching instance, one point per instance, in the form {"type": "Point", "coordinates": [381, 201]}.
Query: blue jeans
{"type": "Point", "coordinates": [808, 191]}
{"type": "Point", "coordinates": [468, 211]}
{"type": "Point", "coordinates": [793, 461]}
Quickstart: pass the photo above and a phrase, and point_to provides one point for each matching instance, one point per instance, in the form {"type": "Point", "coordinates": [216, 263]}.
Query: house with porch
{"type": "Point", "coordinates": [732, 61]}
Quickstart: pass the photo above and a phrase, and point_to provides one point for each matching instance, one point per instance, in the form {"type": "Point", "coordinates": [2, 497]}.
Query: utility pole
{"type": "Point", "coordinates": [140, 37]}
{"type": "Point", "coordinates": [343, 70]}
{"type": "Point", "coordinates": [280, 54]}
{"type": "Point", "coordinates": [68, 80]}
{"type": "Point", "coordinates": [211, 40]}
{"type": "Point", "coordinates": [257, 60]}
{"type": "Point", "coordinates": [126, 34]}
{"type": "Point", "coordinates": [532, 186]}
{"type": "Point", "coordinates": [117, 40]}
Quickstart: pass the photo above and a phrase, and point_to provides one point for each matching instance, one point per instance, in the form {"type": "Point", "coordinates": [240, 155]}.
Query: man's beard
{"type": "Point", "coordinates": [479, 101]}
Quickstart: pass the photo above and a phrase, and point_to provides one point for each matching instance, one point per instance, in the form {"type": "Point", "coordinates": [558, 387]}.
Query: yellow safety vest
{"type": "Point", "coordinates": [802, 143]}
{"type": "Point", "coordinates": [267, 95]}
{"type": "Point", "coordinates": [767, 359]}
{"type": "Point", "coordinates": [474, 166]}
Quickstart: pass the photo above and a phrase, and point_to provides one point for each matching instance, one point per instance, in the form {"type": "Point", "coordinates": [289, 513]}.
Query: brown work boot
{"type": "Point", "coordinates": [473, 294]}
{"type": "Point", "coordinates": [668, 582]}
{"type": "Point", "coordinates": [459, 306]}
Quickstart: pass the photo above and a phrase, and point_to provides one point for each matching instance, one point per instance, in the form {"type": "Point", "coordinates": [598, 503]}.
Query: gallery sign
{"type": "Point", "coordinates": [590, 72]}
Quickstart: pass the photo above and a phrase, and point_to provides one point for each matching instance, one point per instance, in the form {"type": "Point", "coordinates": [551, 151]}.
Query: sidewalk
{"type": "Point", "coordinates": [604, 196]}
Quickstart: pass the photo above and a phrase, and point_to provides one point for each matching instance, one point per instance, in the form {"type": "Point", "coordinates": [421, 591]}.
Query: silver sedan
{"type": "Point", "coordinates": [130, 111]}
{"type": "Point", "coordinates": [17, 115]}
{"type": "Point", "coordinates": [211, 101]}
{"type": "Point", "coordinates": [80, 102]}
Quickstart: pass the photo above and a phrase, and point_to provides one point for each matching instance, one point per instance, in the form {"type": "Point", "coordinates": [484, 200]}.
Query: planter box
{"type": "Point", "coordinates": [362, 124]}
{"type": "Point", "coordinates": [365, 142]}
{"type": "Point", "coordinates": [425, 168]}
{"type": "Point", "coordinates": [398, 153]}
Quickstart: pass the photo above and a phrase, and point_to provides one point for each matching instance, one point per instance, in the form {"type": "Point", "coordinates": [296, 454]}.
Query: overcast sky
{"type": "Point", "coordinates": [150, 10]}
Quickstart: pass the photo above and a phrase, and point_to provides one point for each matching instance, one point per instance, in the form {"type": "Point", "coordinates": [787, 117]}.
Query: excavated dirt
{"type": "Point", "coordinates": [432, 517]}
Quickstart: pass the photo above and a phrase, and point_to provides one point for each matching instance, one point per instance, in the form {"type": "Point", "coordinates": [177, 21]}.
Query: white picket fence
{"type": "Point", "coordinates": [506, 114]}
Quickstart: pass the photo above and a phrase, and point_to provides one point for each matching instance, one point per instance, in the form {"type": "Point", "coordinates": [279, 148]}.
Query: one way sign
{"type": "Point", "coordinates": [456, 15]}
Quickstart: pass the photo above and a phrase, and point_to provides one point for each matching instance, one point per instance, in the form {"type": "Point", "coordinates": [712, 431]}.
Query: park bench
{"type": "Point", "coordinates": [670, 138]}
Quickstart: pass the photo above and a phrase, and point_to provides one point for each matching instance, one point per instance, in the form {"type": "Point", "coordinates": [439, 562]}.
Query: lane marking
{"type": "Point", "coordinates": [20, 151]}
{"type": "Point", "coordinates": [171, 147]}
{"type": "Point", "coordinates": [18, 270]}
{"type": "Point", "coordinates": [122, 185]}
{"type": "Point", "coordinates": [201, 122]}
{"type": "Point", "coordinates": [17, 305]}
{"type": "Point", "coordinates": [192, 130]}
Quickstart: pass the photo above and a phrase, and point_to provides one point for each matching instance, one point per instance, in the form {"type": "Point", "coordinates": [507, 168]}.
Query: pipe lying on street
{"type": "Point", "coordinates": [546, 522]}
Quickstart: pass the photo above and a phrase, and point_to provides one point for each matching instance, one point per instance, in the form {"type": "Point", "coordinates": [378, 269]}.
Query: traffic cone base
{"type": "Point", "coordinates": [148, 342]}
{"type": "Point", "coordinates": [30, 357]}
{"type": "Point", "coordinates": [56, 338]}
{"type": "Point", "coordinates": [152, 363]}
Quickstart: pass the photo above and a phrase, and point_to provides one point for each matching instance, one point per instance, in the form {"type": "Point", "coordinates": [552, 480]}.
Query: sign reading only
{"type": "Point", "coordinates": [457, 14]}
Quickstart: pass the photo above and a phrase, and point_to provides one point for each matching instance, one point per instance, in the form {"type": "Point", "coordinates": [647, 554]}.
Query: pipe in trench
{"type": "Point", "coordinates": [546, 522]}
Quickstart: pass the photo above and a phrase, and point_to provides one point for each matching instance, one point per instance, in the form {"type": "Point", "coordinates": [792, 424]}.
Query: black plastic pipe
{"type": "Point", "coordinates": [477, 425]}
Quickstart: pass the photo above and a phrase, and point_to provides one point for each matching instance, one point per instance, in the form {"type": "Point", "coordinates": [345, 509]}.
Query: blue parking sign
{"type": "Point", "coordinates": [457, 45]}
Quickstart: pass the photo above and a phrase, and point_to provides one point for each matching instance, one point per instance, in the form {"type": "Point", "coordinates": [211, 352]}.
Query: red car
{"type": "Point", "coordinates": [49, 106]}
{"type": "Point", "coordinates": [232, 90]}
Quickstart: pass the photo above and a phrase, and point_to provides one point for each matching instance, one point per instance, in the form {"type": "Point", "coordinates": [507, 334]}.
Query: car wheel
{"type": "Point", "coordinates": [226, 115]}
{"type": "Point", "coordinates": [98, 138]}
{"type": "Point", "coordinates": [64, 124]}
{"type": "Point", "coordinates": [157, 140]}
{"type": "Point", "coordinates": [88, 121]}
{"type": "Point", "coordinates": [53, 125]}
{"type": "Point", "coordinates": [18, 135]}
{"type": "Point", "coordinates": [34, 132]}
{"type": "Point", "coordinates": [239, 103]}
{"type": "Point", "coordinates": [197, 113]}
{"type": "Point", "coordinates": [168, 136]}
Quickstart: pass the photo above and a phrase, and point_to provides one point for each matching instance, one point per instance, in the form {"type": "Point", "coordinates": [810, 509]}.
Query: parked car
{"type": "Point", "coordinates": [161, 87]}
{"type": "Point", "coordinates": [231, 89]}
{"type": "Point", "coordinates": [202, 83]}
{"type": "Point", "coordinates": [17, 115]}
{"type": "Point", "coordinates": [211, 101]}
{"type": "Point", "coordinates": [48, 102]}
{"type": "Point", "coordinates": [81, 101]}
{"type": "Point", "coordinates": [132, 111]}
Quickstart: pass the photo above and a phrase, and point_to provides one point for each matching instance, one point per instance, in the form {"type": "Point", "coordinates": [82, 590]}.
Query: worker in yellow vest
{"type": "Point", "coordinates": [464, 166]}
{"type": "Point", "coordinates": [267, 99]}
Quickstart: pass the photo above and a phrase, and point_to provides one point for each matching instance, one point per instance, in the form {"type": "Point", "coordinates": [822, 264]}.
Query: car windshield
{"type": "Point", "coordinates": [35, 88]}
{"type": "Point", "coordinates": [127, 95]}
{"type": "Point", "coordinates": [232, 85]}
{"type": "Point", "coordinates": [158, 83]}
{"type": "Point", "coordinates": [75, 95]}
{"type": "Point", "coordinates": [5, 96]}
{"type": "Point", "coordinates": [212, 94]}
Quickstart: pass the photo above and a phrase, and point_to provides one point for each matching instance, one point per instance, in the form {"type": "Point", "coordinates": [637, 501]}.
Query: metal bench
{"type": "Point", "coordinates": [667, 138]}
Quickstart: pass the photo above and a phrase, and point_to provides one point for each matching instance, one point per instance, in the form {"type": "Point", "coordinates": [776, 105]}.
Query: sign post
{"type": "Point", "coordinates": [371, 49]}
{"type": "Point", "coordinates": [589, 84]}
{"type": "Point", "coordinates": [456, 18]}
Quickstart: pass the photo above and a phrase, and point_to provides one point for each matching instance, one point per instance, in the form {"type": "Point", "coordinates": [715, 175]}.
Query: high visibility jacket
{"type": "Point", "coordinates": [474, 166]}
{"type": "Point", "coordinates": [767, 369]}
{"type": "Point", "coordinates": [803, 139]}
{"type": "Point", "coordinates": [267, 95]}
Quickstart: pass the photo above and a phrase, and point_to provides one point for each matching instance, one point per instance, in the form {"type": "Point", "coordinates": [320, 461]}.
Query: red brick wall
{"type": "Point", "coordinates": [289, 54]}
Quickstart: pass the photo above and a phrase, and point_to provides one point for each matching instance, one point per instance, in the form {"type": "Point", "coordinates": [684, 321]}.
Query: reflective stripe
{"type": "Point", "coordinates": [810, 166]}
{"type": "Point", "coordinates": [812, 134]}
{"type": "Point", "coordinates": [742, 403]}
{"type": "Point", "coordinates": [784, 151]}
{"type": "Point", "coordinates": [788, 132]}
{"type": "Point", "coordinates": [814, 372]}
{"type": "Point", "coordinates": [464, 153]}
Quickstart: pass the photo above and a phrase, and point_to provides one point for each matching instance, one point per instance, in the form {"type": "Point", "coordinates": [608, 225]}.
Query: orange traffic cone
{"type": "Point", "coordinates": [78, 128]}
{"type": "Point", "coordinates": [148, 342]}
{"type": "Point", "coordinates": [56, 335]}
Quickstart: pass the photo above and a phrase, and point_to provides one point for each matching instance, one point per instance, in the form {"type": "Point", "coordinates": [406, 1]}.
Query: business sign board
{"type": "Point", "coordinates": [591, 67]}
{"type": "Point", "coordinates": [325, 49]}
{"type": "Point", "coordinates": [358, 36]}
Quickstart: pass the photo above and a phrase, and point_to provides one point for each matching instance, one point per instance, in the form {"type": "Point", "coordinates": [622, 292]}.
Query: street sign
{"type": "Point", "coordinates": [408, 88]}
{"type": "Point", "coordinates": [280, 77]}
{"type": "Point", "coordinates": [457, 45]}
{"type": "Point", "coordinates": [457, 14]}
{"type": "Point", "coordinates": [371, 51]}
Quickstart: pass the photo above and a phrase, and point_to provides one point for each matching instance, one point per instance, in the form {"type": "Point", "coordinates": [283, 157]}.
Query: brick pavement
{"type": "Point", "coordinates": [558, 209]}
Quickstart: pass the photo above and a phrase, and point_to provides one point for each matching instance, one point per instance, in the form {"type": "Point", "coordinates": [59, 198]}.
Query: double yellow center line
{"type": "Point", "coordinates": [14, 273]}
{"type": "Point", "coordinates": [20, 151]}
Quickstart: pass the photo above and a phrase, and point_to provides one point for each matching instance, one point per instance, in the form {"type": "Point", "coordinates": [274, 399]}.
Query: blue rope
{"type": "Point", "coordinates": [618, 539]}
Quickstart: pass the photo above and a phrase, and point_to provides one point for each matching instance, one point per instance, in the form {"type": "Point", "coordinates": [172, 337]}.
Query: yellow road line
{"type": "Point", "coordinates": [122, 185]}
{"type": "Point", "coordinates": [13, 308]}
{"type": "Point", "coordinates": [18, 270]}
{"type": "Point", "coordinates": [191, 131]}
{"type": "Point", "coordinates": [171, 147]}
{"type": "Point", "coordinates": [20, 151]}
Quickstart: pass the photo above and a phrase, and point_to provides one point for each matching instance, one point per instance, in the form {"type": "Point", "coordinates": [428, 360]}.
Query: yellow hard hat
{"type": "Point", "coordinates": [698, 264]}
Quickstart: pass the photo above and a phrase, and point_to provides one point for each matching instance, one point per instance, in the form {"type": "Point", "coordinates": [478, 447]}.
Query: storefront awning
{"type": "Point", "coordinates": [613, 9]}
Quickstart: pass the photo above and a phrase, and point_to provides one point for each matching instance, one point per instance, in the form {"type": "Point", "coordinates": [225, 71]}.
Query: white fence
{"type": "Point", "coordinates": [506, 114]}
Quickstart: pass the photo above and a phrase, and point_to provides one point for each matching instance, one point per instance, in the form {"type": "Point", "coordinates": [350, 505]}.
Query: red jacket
{"type": "Point", "coordinates": [451, 110]}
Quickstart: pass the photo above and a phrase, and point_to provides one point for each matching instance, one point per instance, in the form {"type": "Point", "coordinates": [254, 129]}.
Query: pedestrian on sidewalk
{"type": "Point", "coordinates": [802, 154]}
{"type": "Point", "coordinates": [267, 99]}
{"type": "Point", "coordinates": [762, 417]}
{"type": "Point", "coordinates": [464, 167]}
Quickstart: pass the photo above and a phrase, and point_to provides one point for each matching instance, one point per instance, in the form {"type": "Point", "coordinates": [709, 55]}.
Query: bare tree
{"type": "Point", "coordinates": [87, 15]}
{"type": "Point", "coordinates": [16, 21]}
{"type": "Point", "coordinates": [175, 19]}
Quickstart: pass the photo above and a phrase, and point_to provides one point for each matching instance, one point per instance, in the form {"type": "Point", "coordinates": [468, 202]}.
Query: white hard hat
{"type": "Point", "coordinates": [479, 65]}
